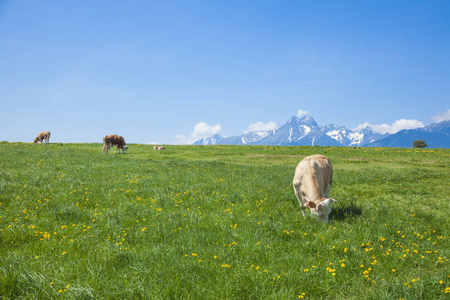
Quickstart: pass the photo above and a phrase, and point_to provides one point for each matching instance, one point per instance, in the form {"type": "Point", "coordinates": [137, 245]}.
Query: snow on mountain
{"type": "Point", "coordinates": [299, 132]}
{"type": "Point", "coordinates": [340, 134]}
{"type": "Point", "coordinates": [351, 138]}
{"type": "Point", "coordinates": [356, 138]}
{"type": "Point", "coordinates": [214, 140]}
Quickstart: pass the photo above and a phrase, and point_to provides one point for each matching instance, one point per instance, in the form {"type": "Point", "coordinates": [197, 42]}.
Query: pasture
{"type": "Point", "coordinates": [220, 222]}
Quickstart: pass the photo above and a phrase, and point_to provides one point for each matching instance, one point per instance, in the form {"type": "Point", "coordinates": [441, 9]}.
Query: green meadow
{"type": "Point", "coordinates": [220, 222]}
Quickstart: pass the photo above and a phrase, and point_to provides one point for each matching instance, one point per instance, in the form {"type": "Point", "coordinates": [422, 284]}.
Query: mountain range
{"type": "Point", "coordinates": [436, 135]}
{"type": "Point", "coordinates": [306, 132]}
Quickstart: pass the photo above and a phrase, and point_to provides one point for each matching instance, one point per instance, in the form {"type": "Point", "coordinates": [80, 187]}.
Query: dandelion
{"type": "Point", "coordinates": [143, 229]}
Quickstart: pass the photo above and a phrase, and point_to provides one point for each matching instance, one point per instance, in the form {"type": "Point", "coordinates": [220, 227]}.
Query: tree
{"type": "Point", "coordinates": [419, 144]}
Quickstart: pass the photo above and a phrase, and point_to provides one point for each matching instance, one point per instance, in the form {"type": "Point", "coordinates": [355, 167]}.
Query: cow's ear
{"type": "Point", "coordinates": [311, 204]}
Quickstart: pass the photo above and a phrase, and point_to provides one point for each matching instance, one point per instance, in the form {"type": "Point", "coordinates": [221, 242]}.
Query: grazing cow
{"type": "Point", "coordinates": [113, 139]}
{"type": "Point", "coordinates": [159, 148]}
{"type": "Point", "coordinates": [42, 136]}
{"type": "Point", "coordinates": [312, 183]}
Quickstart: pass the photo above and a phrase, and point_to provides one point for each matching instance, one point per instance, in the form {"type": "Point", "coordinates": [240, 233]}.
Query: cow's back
{"type": "Point", "coordinates": [314, 172]}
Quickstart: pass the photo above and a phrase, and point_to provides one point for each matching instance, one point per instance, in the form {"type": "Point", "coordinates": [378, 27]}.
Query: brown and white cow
{"type": "Point", "coordinates": [312, 183]}
{"type": "Point", "coordinates": [114, 140]}
{"type": "Point", "coordinates": [42, 136]}
{"type": "Point", "coordinates": [159, 148]}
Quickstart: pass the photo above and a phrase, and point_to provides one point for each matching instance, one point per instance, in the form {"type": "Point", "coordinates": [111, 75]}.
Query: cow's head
{"type": "Point", "coordinates": [124, 148]}
{"type": "Point", "coordinates": [321, 209]}
{"type": "Point", "coordinates": [36, 140]}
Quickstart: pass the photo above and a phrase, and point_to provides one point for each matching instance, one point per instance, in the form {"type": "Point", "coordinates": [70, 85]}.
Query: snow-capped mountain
{"type": "Point", "coordinates": [299, 132]}
{"type": "Point", "coordinates": [352, 138]}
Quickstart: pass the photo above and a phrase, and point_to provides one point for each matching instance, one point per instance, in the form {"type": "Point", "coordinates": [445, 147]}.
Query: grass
{"type": "Point", "coordinates": [210, 222]}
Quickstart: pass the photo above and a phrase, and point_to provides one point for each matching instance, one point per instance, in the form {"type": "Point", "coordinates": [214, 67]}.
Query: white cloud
{"type": "Point", "coordinates": [405, 124]}
{"type": "Point", "coordinates": [301, 113]}
{"type": "Point", "coordinates": [201, 130]}
{"type": "Point", "coordinates": [361, 126]}
{"type": "Point", "coordinates": [395, 127]}
{"type": "Point", "coordinates": [440, 117]}
{"type": "Point", "coordinates": [260, 126]}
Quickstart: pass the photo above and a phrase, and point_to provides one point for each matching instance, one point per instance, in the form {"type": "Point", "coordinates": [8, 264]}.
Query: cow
{"type": "Point", "coordinates": [312, 183]}
{"type": "Point", "coordinates": [113, 139]}
{"type": "Point", "coordinates": [42, 136]}
{"type": "Point", "coordinates": [159, 148]}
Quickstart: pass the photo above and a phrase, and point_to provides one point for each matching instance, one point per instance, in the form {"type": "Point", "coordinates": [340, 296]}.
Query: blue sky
{"type": "Point", "coordinates": [171, 72]}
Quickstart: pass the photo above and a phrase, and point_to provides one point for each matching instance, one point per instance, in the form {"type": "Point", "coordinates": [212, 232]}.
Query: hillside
{"type": "Point", "coordinates": [435, 135]}
{"type": "Point", "coordinates": [220, 222]}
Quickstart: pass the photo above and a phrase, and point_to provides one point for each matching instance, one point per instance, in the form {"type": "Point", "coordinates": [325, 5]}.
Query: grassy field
{"type": "Point", "coordinates": [220, 222]}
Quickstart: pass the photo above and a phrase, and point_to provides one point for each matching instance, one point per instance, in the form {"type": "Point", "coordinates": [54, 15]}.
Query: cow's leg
{"type": "Point", "coordinates": [299, 198]}
{"type": "Point", "coordinates": [326, 191]}
{"type": "Point", "coordinates": [105, 148]}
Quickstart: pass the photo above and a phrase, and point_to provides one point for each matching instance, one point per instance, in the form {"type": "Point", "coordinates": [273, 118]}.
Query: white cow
{"type": "Point", "coordinates": [159, 148]}
{"type": "Point", "coordinates": [312, 183]}
{"type": "Point", "coordinates": [42, 137]}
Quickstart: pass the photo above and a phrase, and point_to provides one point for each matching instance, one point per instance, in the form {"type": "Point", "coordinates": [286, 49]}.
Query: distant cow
{"type": "Point", "coordinates": [42, 136]}
{"type": "Point", "coordinates": [159, 148]}
{"type": "Point", "coordinates": [312, 183]}
{"type": "Point", "coordinates": [114, 140]}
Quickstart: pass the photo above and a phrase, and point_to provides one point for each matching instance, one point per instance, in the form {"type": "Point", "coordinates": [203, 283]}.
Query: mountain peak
{"type": "Point", "coordinates": [306, 120]}
{"type": "Point", "coordinates": [309, 121]}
